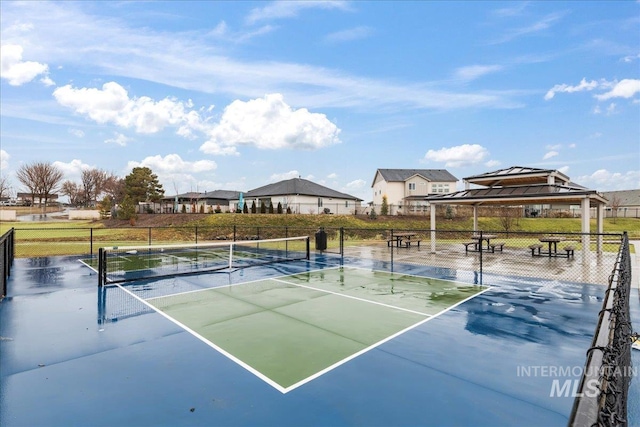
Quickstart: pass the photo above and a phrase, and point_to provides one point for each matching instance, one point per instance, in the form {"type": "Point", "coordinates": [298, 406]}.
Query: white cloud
{"type": "Point", "coordinates": [550, 154]}
{"type": "Point", "coordinates": [350, 34]}
{"type": "Point", "coordinates": [118, 139]}
{"type": "Point", "coordinates": [473, 72]}
{"type": "Point", "coordinates": [492, 163]}
{"type": "Point", "coordinates": [188, 60]}
{"type": "Point", "coordinates": [584, 85]}
{"type": "Point", "coordinates": [553, 147]}
{"type": "Point", "coordinates": [112, 104]}
{"type": "Point", "coordinates": [290, 9]}
{"type": "Point", "coordinates": [4, 159]}
{"type": "Point", "coordinates": [462, 155]}
{"type": "Point", "coordinates": [173, 163]}
{"type": "Point", "coordinates": [17, 71]}
{"type": "Point", "coordinates": [269, 123]}
{"type": "Point", "coordinates": [604, 180]}
{"type": "Point", "coordinates": [356, 184]}
{"type": "Point", "coordinates": [541, 25]}
{"type": "Point", "coordinates": [630, 58]}
{"type": "Point", "coordinates": [332, 176]}
{"type": "Point", "coordinates": [174, 173]}
{"type": "Point", "coordinates": [564, 169]}
{"type": "Point", "coordinates": [626, 88]}
{"type": "Point", "coordinates": [284, 176]}
{"type": "Point", "coordinates": [611, 109]}
{"type": "Point", "coordinates": [72, 170]}
{"type": "Point", "coordinates": [77, 133]}
{"type": "Point", "coordinates": [510, 11]}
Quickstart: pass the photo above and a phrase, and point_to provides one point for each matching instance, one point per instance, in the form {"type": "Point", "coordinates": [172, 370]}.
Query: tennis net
{"type": "Point", "coordinates": [129, 263]}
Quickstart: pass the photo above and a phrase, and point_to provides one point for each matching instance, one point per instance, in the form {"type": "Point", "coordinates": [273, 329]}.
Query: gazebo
{"type": "Point", "coordinates": [519, 185]}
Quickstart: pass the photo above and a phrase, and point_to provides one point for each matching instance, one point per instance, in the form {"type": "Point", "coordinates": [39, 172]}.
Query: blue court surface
{"type": "Point", "coordinates": [506, 353]}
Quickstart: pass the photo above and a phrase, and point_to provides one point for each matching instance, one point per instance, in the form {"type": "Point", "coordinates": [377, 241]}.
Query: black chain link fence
{"type": "Point", "coordinates": [568, 257]}
{"type": "Point", "coordinates": [6, 260]}
{"type": "Point", "coordinates": [603, 391]}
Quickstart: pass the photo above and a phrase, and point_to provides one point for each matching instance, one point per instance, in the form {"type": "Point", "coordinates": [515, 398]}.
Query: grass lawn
{"type": "Point", "coordinates": [74, 237]}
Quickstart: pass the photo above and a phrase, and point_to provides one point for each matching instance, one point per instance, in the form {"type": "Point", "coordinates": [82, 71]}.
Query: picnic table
{"type": "Point", "coordinates": [480, 238]}
{"type": "Point", "coordinates": [397, 238]}
{"type": "Point", "coordinates": [552, 241]}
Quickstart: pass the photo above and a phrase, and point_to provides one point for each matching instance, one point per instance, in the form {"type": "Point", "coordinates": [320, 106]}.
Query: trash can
{"type": "Point", "coordinates": [321, 240]}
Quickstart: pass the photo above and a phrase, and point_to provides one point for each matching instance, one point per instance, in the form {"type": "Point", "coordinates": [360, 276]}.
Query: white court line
{"type": "Point", "coordinates": [268, 380]}
{"type": "Point", "coordinates": [352, 297]}
{"type": "Point", "coordinates": [209, 343]}
{"type": "Point", "coordinates": [371, 347]}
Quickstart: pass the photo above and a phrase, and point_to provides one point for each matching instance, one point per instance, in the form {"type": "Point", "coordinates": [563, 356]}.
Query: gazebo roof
{"type": "Point", "coordinates": [565, 193]}
{"type": "Point", "coordinates": [517, 175]}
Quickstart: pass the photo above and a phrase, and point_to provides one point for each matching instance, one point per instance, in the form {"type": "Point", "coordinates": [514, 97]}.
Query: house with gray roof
{"type": "Point", "coordinates": [406, 189]}
{"type": "Point", "coordinates": [623, 203]}
{"type": "Point", "coordinates": [206, 202]}
{"type": "Point", "coordinates": [303, 196]}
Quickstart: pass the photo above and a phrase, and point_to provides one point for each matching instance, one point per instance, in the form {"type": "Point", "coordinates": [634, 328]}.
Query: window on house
{"type": "Point", "coordinates": [346, 203]}
{"type": "Point", "coordinates": [319, 202]}
{"type": "Point", "coordinates": [412, 186]}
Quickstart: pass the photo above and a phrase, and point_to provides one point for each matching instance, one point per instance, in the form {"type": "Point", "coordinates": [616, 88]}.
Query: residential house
{"type": "Point", "coordinates": [303, 196]}
{"type": "Point", "coordinates": [207, 202]}
{"type": "Point", "coordinates": [406, 189]}
{"type": "Point", "coordinates": [623, 203]}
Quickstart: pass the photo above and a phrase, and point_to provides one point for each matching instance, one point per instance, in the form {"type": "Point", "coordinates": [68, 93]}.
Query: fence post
{"type": "Point", "coordinates": [342, 242]}
{"type": "Point", "coordinates": [391, 245]}
{"type": "Point", "coordinates": [196, 234]}
{"type": "Point", "coordinates": [101, 268]}
{"type": "Point", "coordinates": [91, 241]}
{"type": "Point", "coordinates": [480, 247]}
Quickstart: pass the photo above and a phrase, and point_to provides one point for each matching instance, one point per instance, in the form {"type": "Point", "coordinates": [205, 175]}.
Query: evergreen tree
{"type": "Point", "coordinates": [245, 208]}
{"type": "Point", "coordinates": [105, 207]}
{"type": "Point", "coordinates": [384, 209]}
{"type": "Point", "coordinates": [263, 207]}
{"type": "Point", "coordinates": [253, 207]}
{"type": "Point", "coordinates": [372, 214]}
{"type": "Point", "coordinates": [279, 210]}
{"type": "Point", "coordinates": [142, 186]}
{"type": "Point", "coordinates": [127, 209]}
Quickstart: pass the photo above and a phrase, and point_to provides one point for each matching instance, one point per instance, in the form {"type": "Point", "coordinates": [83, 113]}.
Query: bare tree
{"type": "Point", "coordinates": [93, 183]}
{"type": "Point", "coordinates": [509, 218]}
{"type": "Point", "coordinates": [73, 192]}
{"type": "Point", "coordinates": [5, 187]}
{"type": "Point", "coordinates": [42, 180]}
{"type": "Point", "coordinates": [615, 204]}
{"type": "Point", "coordinates": [114, 188]}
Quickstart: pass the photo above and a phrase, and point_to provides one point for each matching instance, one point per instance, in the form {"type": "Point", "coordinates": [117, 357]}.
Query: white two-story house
{"type": "Point", "coordinates": [406, 189]}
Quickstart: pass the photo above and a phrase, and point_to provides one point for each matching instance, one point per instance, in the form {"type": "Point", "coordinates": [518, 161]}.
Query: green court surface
{"type": "Point", "coordinates": [292, 329]}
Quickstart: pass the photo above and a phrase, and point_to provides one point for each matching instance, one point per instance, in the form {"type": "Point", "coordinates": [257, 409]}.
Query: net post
{"type": "Point", "coordinates": [101, 267]}
{"type": "Point", "coordinates": [342, 242]}
{"type": "Point", "coordinates": [231, 253]}
{"type": "Point", "coordinates": [308, 248]}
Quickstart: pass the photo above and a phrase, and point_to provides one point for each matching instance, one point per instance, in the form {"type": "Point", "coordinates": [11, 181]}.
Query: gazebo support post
{"type": "Point", "coordinates": [600, 223]}
{"type": "Point", "coordinates": [475, 218]}
{"type": "Point", "coordinates": [585, 226]}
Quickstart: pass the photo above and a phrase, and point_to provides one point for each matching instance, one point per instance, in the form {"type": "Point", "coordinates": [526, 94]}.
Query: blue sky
{"type": "Point", "coordinates": [235, 95]}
